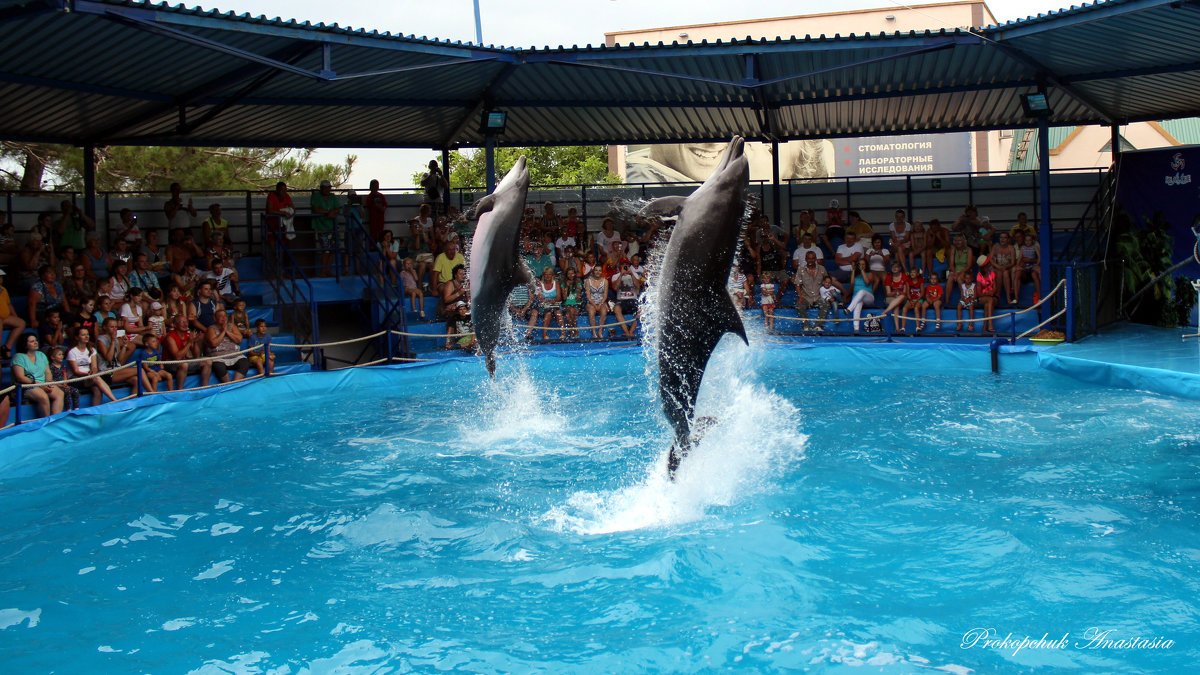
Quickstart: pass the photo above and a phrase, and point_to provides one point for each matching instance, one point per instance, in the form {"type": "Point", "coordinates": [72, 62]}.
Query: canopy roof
{"type": "Point", "coordinates": [122, 72]}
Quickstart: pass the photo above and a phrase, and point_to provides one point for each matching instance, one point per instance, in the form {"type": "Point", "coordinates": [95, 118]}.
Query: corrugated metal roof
{"type": "Point", "coordinates": [173, 75]}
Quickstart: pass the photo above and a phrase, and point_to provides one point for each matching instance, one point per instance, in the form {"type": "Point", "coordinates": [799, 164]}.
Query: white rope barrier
{"type": "Point", "coordinates": [81, 378]}
{"type": "Point", "coordinates": [209, 359]}
{"type": "Point", "coordinates": [323, 345]}
{"type": "Point", "coordinates": [1040, 325]}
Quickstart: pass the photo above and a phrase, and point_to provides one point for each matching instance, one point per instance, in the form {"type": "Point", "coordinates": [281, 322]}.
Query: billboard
{"type": "Point", "coordinates": [811, 159]}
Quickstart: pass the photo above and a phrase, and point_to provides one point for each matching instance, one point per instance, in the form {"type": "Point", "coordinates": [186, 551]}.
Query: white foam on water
{"type": "Point", "coordinates": [520, 409]}
{"type": "Point", "coordinates": [756, 436]}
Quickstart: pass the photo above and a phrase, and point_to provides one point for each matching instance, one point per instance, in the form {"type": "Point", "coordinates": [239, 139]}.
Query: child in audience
{"type": "Point", "coordinates": [152, 370]}
{"type": "Point", "coordinates": [832, 295]}
{"type": "Point", "coordinates": [933, 299]}
{"type": "Point", "coordinates": [894, 287]}
{"type": "Point", "coordinates": [766, 292]}
{"type": "Point", "coordinates": [132, 313]}
{"type": "Point", "coordinates": [967, 298]}
{"type": "Point", "coordinates": [239, 317]}
{"type": "Point", "coordinates": [59, 373]}
{"type": "Point", "coordinates": [104, 310]}
{"type": "Point", "coordinates": [737, 287]}
{"type": "Point", "coordinates": [50, 333]}
{"type": "Point", "coordinates": [157, 321]}
{"type": "Point", "coordinates": [85, 317]}
{"type": "Point", "coordinates": [915, 292]}
{"type": "Point", "coordinates": [408, 279]}
{"type": "Point", "coordinates": [260, 338]}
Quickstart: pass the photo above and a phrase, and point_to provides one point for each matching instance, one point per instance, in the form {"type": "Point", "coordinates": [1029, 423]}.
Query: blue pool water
{"type": "Point", "coordinates": [853, 507]}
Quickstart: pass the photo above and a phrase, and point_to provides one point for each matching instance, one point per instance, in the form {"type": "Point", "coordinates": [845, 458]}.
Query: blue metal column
{"type": "Point", "coordinates": [478, 26]}
{"type": "Point", "coordinates": [89, 184]}
{"type": "Point", "coordinates": [1044, 224]}
{"type": "Point", "coordinates": [489, 159]}
{"type": "Point", "coordinates": [787, 226]}
{"type": "Point", "coordinates": [446, 173]}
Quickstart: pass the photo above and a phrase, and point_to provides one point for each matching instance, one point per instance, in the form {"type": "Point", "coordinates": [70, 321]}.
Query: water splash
{"type": "Point", "coordinates": [756, 437]}
{"type": "Point", "coordinates": [520, 410]}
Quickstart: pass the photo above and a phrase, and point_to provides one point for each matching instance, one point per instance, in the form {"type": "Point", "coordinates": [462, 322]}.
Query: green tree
{"type": "Point", "coordinates": [553, 165]}
{"type": "Point", "coordinates": [154, 168]}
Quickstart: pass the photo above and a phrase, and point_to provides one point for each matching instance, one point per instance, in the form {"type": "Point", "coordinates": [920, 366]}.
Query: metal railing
{"type": "Point", "coordinates": [294, 297]}
{"type": "Point", "coordinates": [385, 299]}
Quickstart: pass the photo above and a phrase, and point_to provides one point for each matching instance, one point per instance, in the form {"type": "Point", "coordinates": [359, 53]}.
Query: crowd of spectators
{"type": "Point", "coordinates": [907, 270]}
{"type": "Point", "coordinates": [74, 306]}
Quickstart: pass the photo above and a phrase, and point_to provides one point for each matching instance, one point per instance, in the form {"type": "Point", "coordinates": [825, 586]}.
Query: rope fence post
{"type": "Point", "coordinates": [138, 376]}
{"type": "Point", "coordinates": [267, 369]}
{"type": "Point", "coordinates": [1069, 297]}
{"type": "Point", "coordinates": [20, 398]}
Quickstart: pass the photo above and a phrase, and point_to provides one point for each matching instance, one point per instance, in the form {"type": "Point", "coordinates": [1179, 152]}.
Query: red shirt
{"type": "Point", "coordinates": [933, 292]}
{"type": "Point", "coordinates": [180, 342]}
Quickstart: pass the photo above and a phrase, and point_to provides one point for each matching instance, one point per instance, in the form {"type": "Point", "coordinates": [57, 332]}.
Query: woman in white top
{"type": "Point", "coordinates": [901, 239]}
{"type": "Point", "coordinates": [132, 314]}
{"type": "Point", "coordinates": [82, 359]}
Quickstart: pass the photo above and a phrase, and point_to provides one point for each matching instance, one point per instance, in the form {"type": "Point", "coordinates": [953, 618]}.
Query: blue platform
{"type": "Point", "coordinates": [1132, 356]}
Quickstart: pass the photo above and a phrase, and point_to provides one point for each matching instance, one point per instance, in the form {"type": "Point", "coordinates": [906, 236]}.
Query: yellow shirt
{"type": "Point", "coordinates": [6, 308]}
{"type": "Point", "coordinates": [861, 229]}
{"type": "Point", "coordinates": [445, 266]}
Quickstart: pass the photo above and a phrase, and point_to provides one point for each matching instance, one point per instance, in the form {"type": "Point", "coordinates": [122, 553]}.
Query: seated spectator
{"type": "Point", "coordinates": [987, 235]}
{"type": "Point", "coordinates": [261, 338]}
{"type": "Point", "coordinates": [223, 341]}
{"type": "Point", "coordinates": [863, 284]}
{"type": "Point", "coordinates": [1022, 227]}
{"type": "Point", "coordinates": [961, 264]}
{"type": "Point", "coordinates": [445, 264]}
{"type": "Point", "coordinates": [156, 254]}
{"type": "Point", "coordinates": [45, 293]}
{"type": "Point", "coordinates": [540, 260]}
{"type": "Point", "coordinates": [412, 289]}
{"type": "Point", "coordinates": [59, 373]}
{"type": "Point", "coordinates": [462, 328]}
{"type": "Point", "coordinates": [182, 344]}
{"type": "Point", "coordinates": [119, 274]}
{"type": "Point", "coordinates": [220, 247]}
{"type": "Point", "coordinates": [453, 291]}
{"type": "Point", "coordinates": [31, 366]}
{"type": "Point", "coordinates": [389, 252]}
{"type": "Point", "coordinates": [150, 356]}
{"type": "Point", "coordinates": [115, 348]}
{"type": "Point", "coordinates": [132, 315]}
{"type": "Point", "coordinates": [879, 259]}
{"type": "Point", "coordinates": [596, 291]}
{"type": "Point", "coordinates": [238, 317]}
{"type": "Point", "coordinates": [66, 263]}
{"type": "Point", "coordinates": [933, 300]}
{"type": "Point", "coordinates": [807, 245]}
{"type": "Point", "coordinates": [550, 294]}
{"type": "Point", "coordinates": [895, 291]}
{"type": "Point", "coordinates": [832, 294]}
{"type": "Point", "coordinates": [225, 280]}
{"type": "Point", "coordinates": [120, 251]}
{"type": "Point", "coordinates": [204, 309]}
{"type": "Point", "coordinates": [85, 317]}
{"type": "Point", "coordinates": [95, 258]}
{"type": "Point", "coordinates": [937, 243]}
{"type": "Point", "coordinates": [859, 227]}
{"type": "Point", "coordinates": [914, 292]}
{"type": "Point", "coordinates": [834, 236]}
{"type": "Point", "coordinates": [522, 307]}
{"type": "Point", "coordinates": [1004, 259]}
{"type": "Point", "coordinates": [1030, 265]}
{"type": "Point", "coordinates": [10, 253]}
{"type": "Point", "coordinates": [214, 224]}
{"type": "Point", "coordinates": [51, 333]}
{"type": "Point", "coordinates": [985, 280]}
{"type": "Point", "coordinates": [808, 281]}
{"type": "Point", "coordinates": [104, 310]}
{"type": "Point", "coordinates": [8, 320]}
{"type": "Point", "coordinates": [142, 276]}
{"type": "Point", "coordinates": [602, 240]}
{"type": "Point", "coordinates": [572, 295]}
{"type": "Point", "coordinates": [847, 257]}
{"type": "Point", "coordinates": [188, 280]}
{"type": "Point", "coordinates": [83, 360]}
{"type": "Point", "coordinates": [967, 225]}
{"type": "Point", "coordinates": [917, 243]}
{"type": "Point", "coordinates": [183, 248]}
{"type": "Point", "coordinates": [79, 287]}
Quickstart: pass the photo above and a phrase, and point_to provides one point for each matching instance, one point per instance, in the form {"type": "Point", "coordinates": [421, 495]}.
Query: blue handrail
{"type": "Point", "coordinates": [289, 282]}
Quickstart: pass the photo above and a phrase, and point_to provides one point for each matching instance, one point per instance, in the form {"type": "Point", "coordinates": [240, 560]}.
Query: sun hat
{"type": "Point", "coordinates": [982, 260]}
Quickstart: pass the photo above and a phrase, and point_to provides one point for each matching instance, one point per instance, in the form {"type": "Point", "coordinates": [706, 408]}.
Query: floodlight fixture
{"type": "Point", "coordinates": [1035, 104]}
{"type": "Point", "coordinates": [492, 123]}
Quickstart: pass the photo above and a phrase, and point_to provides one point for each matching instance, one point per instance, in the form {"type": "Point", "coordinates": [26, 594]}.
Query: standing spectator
{"type": "Point", "coordinates": [596, 290]}
{"type": "Point", "coordinates": [280, 211]}
{"type": "Point", "coordinates": [767, 294]}
{"type": "Point", "coordinates": [325, 208]}
{"type": "Point", "coordinates": [36, 253]}
{"type": "Point", "coordinates": [434, 184]}
{"type": "Point", "coordinates": [182, 344]}
{"type": "Point", "coordinates": [376, 206]}
{"type": "Point", "coordinates": [179, 214]}
{"type": "Point", "coordinates": [82, 361]}
{"type": "Point", "coordinates": [45, 293]}
{"type": "Point", "coordinates": [987, 235]}
{"type": "Point", "coordinates": [223, 340]}
{"type": "Point", "coordinates": [917, 245]}
{"type": "Point", "coordinates": [445, 264]}
{"type": "Point", "coordinates": [9, 320]}
{"type": "Point", "coordinates": [772, 254]}
{"type": "Point", "coordinates": [72, 225]}
{"type": "Point", "coordinates": [129, 230]}
{"type": "Point", "coordinates": [31, 366]}
{"type": "Point", "coordinates": [961, 264]}
{"type": "Point", "coordinates": [835, 234]}
{"type": "Point", "coordinates": [10, 253]}
{"type": "Point", "coordinates": [389, 252]}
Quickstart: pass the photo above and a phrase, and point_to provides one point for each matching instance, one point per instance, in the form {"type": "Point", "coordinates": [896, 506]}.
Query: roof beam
{"type": "Point", "coordinates": [485, 97]}
{"type": "Point", "coordinates": [1053, 80]}
{"type": "Point", "coordinates": [1066, 19]}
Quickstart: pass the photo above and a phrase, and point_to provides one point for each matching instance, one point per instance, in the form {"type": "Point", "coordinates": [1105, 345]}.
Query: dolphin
{"type": "Point", "coordinates": [694, 307]}
{"type": "Point", "coordinates": [496, 266]}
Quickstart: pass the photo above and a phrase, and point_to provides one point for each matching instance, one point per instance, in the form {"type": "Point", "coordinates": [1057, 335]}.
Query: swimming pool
{"type": "Point", "coordinates": [853, 507]}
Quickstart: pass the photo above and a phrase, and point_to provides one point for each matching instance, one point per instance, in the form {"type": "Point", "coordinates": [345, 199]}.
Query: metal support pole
{"type": "Point", "coordinates": [1045, 229]}
{"type": "Point", "coordinates": [249, 222]}
{"type": "Point", "coordinates": [775, 212]}
{"type": "Point", "coordinates": [20, 402]}
{"type": "Point", "coordinates": [1070, 303]}
{"type": "Point", "coordinates": [89, 184]}
{"type": "Point", "coordinates": [489, 160]}
{"type": "Point", "coordinates": [141, 391]}
{"type": "Point", "coordinates": [446, 173]}
{"type": "Point", "coordinates": [267, 360]}
{"type": "Point", "coordinates": [478, 26]}
{"type": "Point", "coordinates": [1115, 150]}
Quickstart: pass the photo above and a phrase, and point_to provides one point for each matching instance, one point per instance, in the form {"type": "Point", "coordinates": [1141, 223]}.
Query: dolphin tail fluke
{"type": "Point", "coordinates": [674, 457]}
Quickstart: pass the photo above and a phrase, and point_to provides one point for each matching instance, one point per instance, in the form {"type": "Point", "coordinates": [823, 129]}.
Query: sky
{"type": "Point", "coordinates": [538, 23]}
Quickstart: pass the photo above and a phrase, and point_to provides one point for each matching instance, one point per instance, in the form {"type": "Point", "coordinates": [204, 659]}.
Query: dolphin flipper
{"type": "Point", "coordinates": [481, 207]}
{"type": "Point", "coordinates": [663, 206]}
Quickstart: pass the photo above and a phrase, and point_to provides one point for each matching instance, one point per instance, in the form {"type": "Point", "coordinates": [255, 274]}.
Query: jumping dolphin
{"type": "Point", "coordinates": [496, 266]}
{"type": "Point", "coordinates": [694, 307]}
